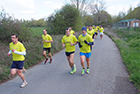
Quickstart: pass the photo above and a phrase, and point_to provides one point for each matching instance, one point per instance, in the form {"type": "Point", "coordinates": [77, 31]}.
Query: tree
{"type": "Point", "coordinates": [67, 16]}
{"type": "Point", "coordinates": [82, 5]}
{"type": "Point", "coordinates": [97, 7]}
{"type": "Point", "coordinates": [88, 20]}
{"type": "Point", "coordinates": [40, 23]}
{"type": "Point", "coordinates": [102, 18]}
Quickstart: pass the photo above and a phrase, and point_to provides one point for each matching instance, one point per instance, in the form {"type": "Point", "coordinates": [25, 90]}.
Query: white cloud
{"type": "Point", "coordinates": [18, 6]}
{"type": "Point", "coordinates": [135, 4]}
{"type": "Point", "coordinates": [112, 0]}
{"type": "Point", "coordinates": [114, 10]}
{"type": "Point", "coordinates": [53, 5]}
{"type": "Point", "coordinates": [27, 11]}
{"type": "Point", "coordinates": [27, 4]}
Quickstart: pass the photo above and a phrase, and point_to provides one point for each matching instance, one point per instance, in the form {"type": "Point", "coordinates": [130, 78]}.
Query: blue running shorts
{"type": "Point", "coordinates": [17, 65]}
{"type": "Point", "coordinates": [88, 55]}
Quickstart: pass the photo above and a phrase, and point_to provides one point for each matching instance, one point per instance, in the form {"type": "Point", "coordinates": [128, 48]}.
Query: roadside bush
{"type": "Point", "coordinates": [8, 26]}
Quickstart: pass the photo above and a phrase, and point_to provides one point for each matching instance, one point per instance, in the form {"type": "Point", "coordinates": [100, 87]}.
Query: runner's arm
{"type": "Point", "coordinates": [79, 44]}
{"type": "Point", "coordinates": [75, 43]}
{"type": "Point", "coordinates": [89, 43]}
{"type": "Point", "coordinates": [20, 53]}
{"type": "Point", "coordinates": [49, 41]}
{"type": "Point", "coordinates": [63, 44]}
{"type": "Point", "coordinates": [10, 52]}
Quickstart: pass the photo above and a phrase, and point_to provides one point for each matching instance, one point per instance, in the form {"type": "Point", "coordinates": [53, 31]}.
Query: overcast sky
{"type": "Point", "coordinates": [36, 9]}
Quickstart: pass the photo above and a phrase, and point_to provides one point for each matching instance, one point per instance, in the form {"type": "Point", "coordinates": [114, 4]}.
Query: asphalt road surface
{"type": "Point", "coordinates": [108, 74]}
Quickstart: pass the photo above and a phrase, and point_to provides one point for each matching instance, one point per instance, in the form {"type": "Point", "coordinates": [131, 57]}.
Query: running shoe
{"type": "Point", "coordinates": [23, 84]}
{"type": "Point", "coordinates": [74, 68]}
{"type": "Point", "coordinates": [87, 71]}
{"type": "Point", "coordinates": [50, 61]}
{"type": "Point", "coordinates": [83, 71]}
{"type": "Point", "coordinates": [46, 61]}
{"type": "Point", "coordinates": [71, 72]}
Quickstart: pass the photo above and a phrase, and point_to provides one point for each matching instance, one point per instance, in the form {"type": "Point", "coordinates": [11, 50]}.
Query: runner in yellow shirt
{"type": "Point", "coordinates": [93, 27]}
{"type": "Point", "coordinates": [91, 32]}
{"type": "Point", "coordinates": [101, 29]}
{"type": "Point", "coordinates": [71, 31]}
{"type": "Point", "coordinates": [85, 42]}
{"type": "Point", "coordinates": [69, 41]}
{"type": "Point", "coordinates": [18, 51]}
{"type": "Point", "coordinates": [47, 40]}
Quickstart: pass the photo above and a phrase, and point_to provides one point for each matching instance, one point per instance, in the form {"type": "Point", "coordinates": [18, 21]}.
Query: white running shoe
{"type": "Point", "coordinates": [23, 84]}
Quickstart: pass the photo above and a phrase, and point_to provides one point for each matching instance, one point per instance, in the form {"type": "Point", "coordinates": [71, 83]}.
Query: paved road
{"type": "Point", "coordinates": [108, 75]}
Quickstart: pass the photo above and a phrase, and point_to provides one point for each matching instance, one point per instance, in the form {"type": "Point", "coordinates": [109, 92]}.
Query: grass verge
{"type": "Point", "coordinates": [128, 42]}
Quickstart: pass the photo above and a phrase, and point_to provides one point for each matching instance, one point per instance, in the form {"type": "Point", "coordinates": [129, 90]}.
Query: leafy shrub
{"type": "Point", "coordinates": [8, 26]}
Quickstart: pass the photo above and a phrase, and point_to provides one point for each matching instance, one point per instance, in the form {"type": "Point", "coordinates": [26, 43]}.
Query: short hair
{"type": "Point", "coordinates": [67, 29]}
{"type": "Point", "coordinates": [15, 35]}
{"type": "Point", "coordinates": [45, 29]}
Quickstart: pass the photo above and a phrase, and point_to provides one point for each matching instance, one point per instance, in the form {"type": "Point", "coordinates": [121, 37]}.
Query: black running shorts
{"type": "Point", "coordinates": [45, 49]}
{"type": "Point", "coordinates": [69, 53]}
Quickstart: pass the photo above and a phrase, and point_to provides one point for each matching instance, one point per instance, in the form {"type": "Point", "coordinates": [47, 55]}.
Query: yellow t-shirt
{"type": "Point", "coordinates": [67, 41]}
{"type": "Point", "coordinates": [72, 32]}
{"type": "Point", "coordinates": [96, 29]}
{"type": "Point", "coordinates": [47, 38]}
{"type": "Point", "coordinates": [90, 32]}
{"type": "Point", "coordinates": [18, 47]}
{"type": "Point", "coordinates": [85, 47]}
{"type": "Point", "coordinates": [101, 29]}
{"type": "Point", "coordinates": [87, 28]}
{"type": "Point", "coordinates": [93, 27]}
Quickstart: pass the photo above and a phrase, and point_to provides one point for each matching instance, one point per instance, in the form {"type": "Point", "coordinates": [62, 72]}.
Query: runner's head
{"type": "Point", "coordinates": [84, 30]}
{"type": "Point", "coordinates": [67, 32]}
{"type": "Point", "coordinates": [70, 28]}
{"type": "Point", "coordinates": [90, 27]}
{"type": "Point", "coordinates": [14, 38]}
{"type": "Point", "coordinates": [45, 31]}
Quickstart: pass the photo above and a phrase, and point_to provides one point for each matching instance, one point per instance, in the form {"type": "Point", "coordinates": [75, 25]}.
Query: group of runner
{"type": "Point", "coordinates": [85, 42]}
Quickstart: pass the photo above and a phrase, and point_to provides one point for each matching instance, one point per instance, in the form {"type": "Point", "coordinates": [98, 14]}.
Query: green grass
{"type": "Point", "coordinates": [129, 46]}
{"type": "Point", "coordinates": [34, 50]}
{"type": "Point", "coordinates": [38, 31]}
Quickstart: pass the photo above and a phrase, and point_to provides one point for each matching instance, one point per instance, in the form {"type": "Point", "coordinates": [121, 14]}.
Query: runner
{"type": "Point", "coordinates": [17, 50]}
{"type": "Point", "coordinates": [96, 31]}
{"type": "Point", "coordinates": [85, 41]}
{"type": "Point", "coordinates": [69, 41]}
{"type": "Point", "coordinates": [90, 31]}
{"type": "Point", "coordinates": [93, 26]}
{"type": "Point", "coordinates": [71, 31]}
{"type": "Point", "coordinates": [47, 40]}
{"type": "Point", "coordinates": [101, 31]}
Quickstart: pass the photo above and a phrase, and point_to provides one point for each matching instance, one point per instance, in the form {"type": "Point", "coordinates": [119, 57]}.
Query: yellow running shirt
{"type": "Point", "coordinates": [72, 32]}
{"type": "Point", "coordinates": [67, 41]}
{"type": "Point", "coordinates": [47, 38]}
{"type": "Point", "coordinates": [101, 29]}
{"type": "Point", "coordinates": [85, 47]}
{"type": "Point", "coordinates": [90, 32]}
{"type": "Point", "coordinates": [97, 28]}
{"type": "Point", "coordinates": [18, 47]}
